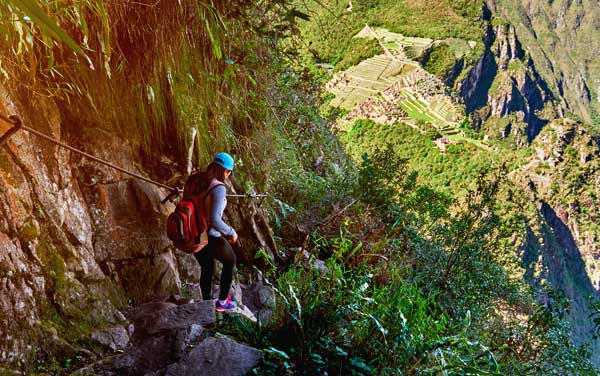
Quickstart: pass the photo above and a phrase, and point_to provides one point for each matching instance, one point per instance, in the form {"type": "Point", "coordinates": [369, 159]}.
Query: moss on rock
{"type": "Point", "coordinates": [54, 266]}
{"type": "Point", "coordinates": [29, 231]}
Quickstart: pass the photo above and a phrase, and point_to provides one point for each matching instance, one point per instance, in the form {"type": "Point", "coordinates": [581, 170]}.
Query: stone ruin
{"type": "Point", "coordinates": [378, 109]}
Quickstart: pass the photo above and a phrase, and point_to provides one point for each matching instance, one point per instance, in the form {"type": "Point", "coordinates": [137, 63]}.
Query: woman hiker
{"type": "Point", "coordinates": [220, 234]}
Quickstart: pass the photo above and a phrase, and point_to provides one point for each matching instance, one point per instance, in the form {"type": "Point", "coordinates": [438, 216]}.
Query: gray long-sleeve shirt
{"type": "Point", "coordinates": [216, 201]}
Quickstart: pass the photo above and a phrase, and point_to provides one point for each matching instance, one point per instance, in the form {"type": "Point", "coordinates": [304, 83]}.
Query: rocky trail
{"type": "Point", "coordinates": [168, 339]}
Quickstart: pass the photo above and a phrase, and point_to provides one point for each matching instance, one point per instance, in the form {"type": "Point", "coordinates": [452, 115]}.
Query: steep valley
{"type": "Point", "coordinates": [534, 66]}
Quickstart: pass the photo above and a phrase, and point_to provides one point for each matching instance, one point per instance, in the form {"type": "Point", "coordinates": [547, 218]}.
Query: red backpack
{"type": "Point", "coordinates": [187, 225]}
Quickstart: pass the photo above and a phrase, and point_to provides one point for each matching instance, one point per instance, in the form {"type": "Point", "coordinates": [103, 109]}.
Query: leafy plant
{"type": "Point", "coordinates": [35, 13]}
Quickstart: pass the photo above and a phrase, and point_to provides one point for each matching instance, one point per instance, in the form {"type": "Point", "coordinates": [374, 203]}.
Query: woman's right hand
{"type": "Point", "coordinates": [233, 238]}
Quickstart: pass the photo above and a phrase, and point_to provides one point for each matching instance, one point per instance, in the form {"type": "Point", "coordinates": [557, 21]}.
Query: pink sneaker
{"type": "Point", "coordinates": [228, 305]}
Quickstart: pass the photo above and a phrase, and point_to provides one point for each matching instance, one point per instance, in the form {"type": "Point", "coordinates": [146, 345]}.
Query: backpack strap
{"type": "Point", "coordinates": [214, 183]}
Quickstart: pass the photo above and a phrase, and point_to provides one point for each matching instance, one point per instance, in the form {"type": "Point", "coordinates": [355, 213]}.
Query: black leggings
{"type": "Point", "coordinates": [220, 249]}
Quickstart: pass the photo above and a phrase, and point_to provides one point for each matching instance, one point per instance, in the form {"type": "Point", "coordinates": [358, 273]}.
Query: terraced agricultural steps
{"type": "Point", "coordinates": [396, 79]}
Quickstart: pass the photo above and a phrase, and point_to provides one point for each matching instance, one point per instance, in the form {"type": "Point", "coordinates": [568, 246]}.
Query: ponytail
{"type": "Point", "coordinates": [200, 181]}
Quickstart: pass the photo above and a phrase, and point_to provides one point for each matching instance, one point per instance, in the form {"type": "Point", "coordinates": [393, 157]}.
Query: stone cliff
{"type": "Point", "coordinates": [505, 82]}
{"type": "Point", "coordinates": [563, 39]}
{"type": "Point", "coordinates": [511, 96]}
{"type": "Point", "coordinates": [558, 186]}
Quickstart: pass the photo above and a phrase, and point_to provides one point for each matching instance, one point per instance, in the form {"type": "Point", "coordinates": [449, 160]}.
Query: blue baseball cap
{"type": "Point", "coordinates": [224, 160]}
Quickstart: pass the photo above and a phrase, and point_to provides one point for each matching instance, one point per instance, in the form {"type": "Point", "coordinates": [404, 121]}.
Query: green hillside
{"type": "Point", "coordinates": [562, 37]}
{"type": "Point", "coordinates": [328, 36]}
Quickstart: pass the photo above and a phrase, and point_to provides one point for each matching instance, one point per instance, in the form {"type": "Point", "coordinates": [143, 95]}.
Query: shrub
{"type": "Point", "coordinates": [439, 60]}
{"type": "Point", "coordinates": [358, 50]}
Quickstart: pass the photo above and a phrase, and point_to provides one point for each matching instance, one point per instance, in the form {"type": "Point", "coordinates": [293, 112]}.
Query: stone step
{"type": "Point", "coordinates": [157, 317]}
{"type": "Point", "coordinates": [216, 356]}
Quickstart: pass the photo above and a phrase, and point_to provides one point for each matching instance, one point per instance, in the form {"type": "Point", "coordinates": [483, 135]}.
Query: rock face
{"type": "Point", "coordinates": [561, 247]}
{"type": "Point", "coordinates": [563, 39]}
{"type": "Point", "coordinates": [80, 240]}
{"type": "Point", "coordinates": [552, 254]}
{"type": "Point", "coordinates": [519, 88]}
{"type": "Point", "coordinates": [508, 47]}
{"type": "Point", "coordinates": [250, 222]}
{"type": "Point", "coordinates": [48, 264]}
{"type": "Point", "coordinates": [505, 82]}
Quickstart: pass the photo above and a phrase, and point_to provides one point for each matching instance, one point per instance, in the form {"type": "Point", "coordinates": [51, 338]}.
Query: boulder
{"type": "Point", "coordinates": [260, 299]}
{"type": "Point", "coordinates": [116, 338]}
{"type": "Point", "coordinates": [147, 354]}
{"type": "Point", "coordinates": [152, 318]}
{"type": "Point", "coordinates": [218, 357]}
{"type": "Point", "coordinates": [164, 333]}
{"type": "Point", "coordinates": [266, 296]}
